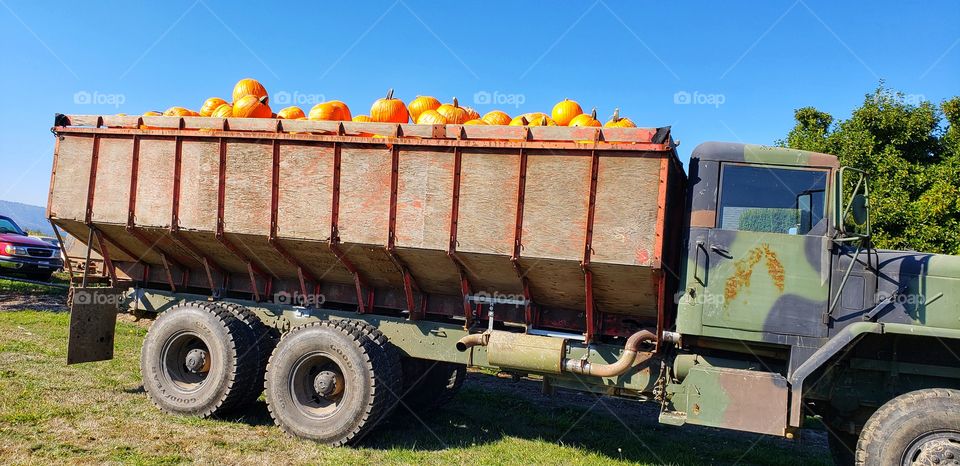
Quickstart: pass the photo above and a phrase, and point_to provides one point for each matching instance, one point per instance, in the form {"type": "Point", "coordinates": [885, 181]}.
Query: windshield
{"type": "Point", "coordinates": [7, 226]}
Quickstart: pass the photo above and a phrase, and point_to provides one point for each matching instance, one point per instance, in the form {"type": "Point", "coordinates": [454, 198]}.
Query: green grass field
{"type": "Point", "coordinates": [96, 413]}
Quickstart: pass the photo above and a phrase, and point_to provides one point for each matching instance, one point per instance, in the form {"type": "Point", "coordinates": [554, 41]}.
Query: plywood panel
{"type": "Point", "coordinates": [424, 198]}
{"type": "Point", "coordinates": [488, 201]}
{"type": "Point", "coordinates": [555, 283]}
{"type": "Point", "coordinates": [555, 206]}
{"type": "Point", "coordinates": [305, 192]}
{"type": "Point", "coordinates": [374, 265]}
{"type": "Point", "coordinates": [491, 273]}
{"type": "Point", "coordinates": [365, 194]}
{"type": "Point", "coordinates": [155, 182]}
{"type": "Point", "coordinates": [199, 176]}
{"type": "Point", "coordinates": [434, 272]}
{"type": "Point", "coordinates": [625, 217]}
{"type": "Point", "coordinates": [111, 195]}
{"type": "Point", "coordinates": [259, 250]}
{"type": "Point", "coordinates": [318, 260]}
{"type": "Point", "coordinates": [247, 199]}
{"type": "Point", "coordinates": [624, 289]}
{"type": "Point", "coordinates": [69, 199]}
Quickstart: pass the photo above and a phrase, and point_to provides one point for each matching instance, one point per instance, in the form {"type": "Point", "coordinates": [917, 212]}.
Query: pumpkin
{"type": "Point", "coordinates": [586, 120]}
{"type": "Point", "coordinates": [431, 117]}
{"type": "Point", "coordinates": [362, 119]}
{"type": "Point", "coordinates": [290, 113]}
{"type": "Point", "coordinates": [178, 111]}
{"type": "Point", "coordinates": [389, 110]}
{"type": "Point", "coordinates": [250, 106]}
{"type": "Point", "coordinates": [210, 105]}
{"type": "Point", "coordinates": [542, 120]}
{"type": "Point", "coordinates": [223, 111]}
{"type": "Point", "coordinates": [565, 111]}
{"type": "Point", "coordinates": [421, 104]}
{"type": "Point", "coordinates": [342, 112]}
{"type": "Point", "coordinates": [248, 86]}
{"type": "Point", "coordinates": [150, 114]}
{"type": "Point", "coordinates": [520, 120]}
{"type": "Point", "coordinates": [475, 121]}
{"type": "Point", "coordinates": [454, 113]}
{"type": "Point", "coordinates": [497, 117]}
{"type": "Point", "coordinates": [471, 114]}
{"type": "Point", "coordinates": [617, 122]}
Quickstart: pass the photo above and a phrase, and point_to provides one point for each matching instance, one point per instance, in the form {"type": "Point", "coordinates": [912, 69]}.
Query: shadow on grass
{"type": "Point", "coordinates": [612, 428]}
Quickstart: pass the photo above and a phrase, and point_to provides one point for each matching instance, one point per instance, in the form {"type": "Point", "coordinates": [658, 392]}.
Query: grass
{"type": "Point", "coordinates": [96, 413]}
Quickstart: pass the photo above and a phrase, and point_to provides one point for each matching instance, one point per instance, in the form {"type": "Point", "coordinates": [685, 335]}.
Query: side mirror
{"type": "Point", "coordinates": [852, 205]}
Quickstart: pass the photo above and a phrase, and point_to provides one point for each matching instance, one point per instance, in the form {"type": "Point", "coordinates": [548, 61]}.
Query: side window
{"type": "Point", "coordinates": [772, 200]}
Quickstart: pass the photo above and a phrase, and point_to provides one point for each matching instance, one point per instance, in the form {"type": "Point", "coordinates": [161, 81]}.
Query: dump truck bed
{"type": "Point", "coordinates": [578, 225]}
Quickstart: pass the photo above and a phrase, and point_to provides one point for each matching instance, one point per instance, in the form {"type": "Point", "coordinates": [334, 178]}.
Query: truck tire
{"type": "Point", "coordinates": [197, 359]}
{"type": "Point", "coordinates": [429, 385]}
{"type": "Point", "coordinates": [330, 382]}
{"type": "Point", "coordinates": [265, 339]}
{"type": "Point", "coordinates": [921, 427]}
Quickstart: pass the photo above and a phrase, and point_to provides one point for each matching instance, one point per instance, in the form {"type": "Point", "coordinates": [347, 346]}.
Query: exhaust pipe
{"type": "Point", "coordinates": [532, 352]}
{"type": "Point", "coordinates": [629, 356]}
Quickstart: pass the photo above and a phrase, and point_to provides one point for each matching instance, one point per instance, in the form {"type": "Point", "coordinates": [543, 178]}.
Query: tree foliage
{"type": "Point", "coordinates": [912, 152]}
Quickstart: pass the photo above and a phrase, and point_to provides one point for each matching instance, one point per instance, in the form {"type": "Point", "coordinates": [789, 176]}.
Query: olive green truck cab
{"type": "Point", "coordinates": [349, 270]}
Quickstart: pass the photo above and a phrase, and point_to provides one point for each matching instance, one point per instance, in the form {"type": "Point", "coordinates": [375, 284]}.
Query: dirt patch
{"type": "Point", "coordinates": [34, 302]}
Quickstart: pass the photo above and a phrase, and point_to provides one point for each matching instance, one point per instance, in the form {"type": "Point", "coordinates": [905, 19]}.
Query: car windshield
{"type": "Point", "coordinates": [7, 226]}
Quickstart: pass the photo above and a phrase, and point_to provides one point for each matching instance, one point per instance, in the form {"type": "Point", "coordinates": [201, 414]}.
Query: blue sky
{"type": "Point", "coordinates": [714, 71]}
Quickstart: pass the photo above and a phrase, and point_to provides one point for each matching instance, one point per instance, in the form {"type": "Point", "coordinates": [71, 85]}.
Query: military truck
{"type": "Point", "coordinates": [345, 269]}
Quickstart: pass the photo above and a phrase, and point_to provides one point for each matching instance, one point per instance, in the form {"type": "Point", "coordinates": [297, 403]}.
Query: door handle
{"type": "Point", "coordinates": [721, 251]}
{"type": "Point", "coordinates": [696, 265]}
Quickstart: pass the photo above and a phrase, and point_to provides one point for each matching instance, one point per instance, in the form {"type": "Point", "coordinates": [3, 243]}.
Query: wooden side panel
{"type": "Point", "coordinates": [112, 191]}
{"type": "Point", "coordinates": [555, 206]}
{"type": "Point", "coordinates": [155, 186]}
{"type": "Point", "coordinates": [306, 191]}
{"type": "Point", "coordinates": [624, 289]}
{"type": "Point", "coordinates": [365, 175]}
{"type": "Point", "coordinates": [491, 273]}
{"type": "Point", "coordinates": [488, 201]}
{"type": "Point", "coordinates": [247, 196]}
{"type": "Point", "coordinates": [317, 258]}
{"type": "Point", "coordinates": [625, 217]}
{"type": "Point", "coordinates": [434, 271]}
{"type": "Point", "coordinates": [199, 172]}
{"type": "Point", "coordinates": [424, 198]}
{"type": "Point", "coordinates": [555, 283]}
{"type": "Point", "coordinates": [69, 200]}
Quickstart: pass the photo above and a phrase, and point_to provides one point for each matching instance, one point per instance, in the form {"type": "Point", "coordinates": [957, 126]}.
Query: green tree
{"type": "Point", "coordinates": [912, 152]}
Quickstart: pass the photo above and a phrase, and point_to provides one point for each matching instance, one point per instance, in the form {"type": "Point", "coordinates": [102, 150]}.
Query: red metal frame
{"type": "Point", "coordinates": [107, 262]}
{"type": "Point", "coordinates": [590, 314]}
{"type": "Point", "coordinates": [363, 306]}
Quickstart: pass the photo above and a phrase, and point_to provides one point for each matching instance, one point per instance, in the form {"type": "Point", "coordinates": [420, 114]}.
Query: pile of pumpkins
{"type": "Point", "coordinates": [250, 100]}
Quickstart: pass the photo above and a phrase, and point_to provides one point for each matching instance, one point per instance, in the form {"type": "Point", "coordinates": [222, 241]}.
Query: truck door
{"type": "Point", "coordinates": [768, 255]}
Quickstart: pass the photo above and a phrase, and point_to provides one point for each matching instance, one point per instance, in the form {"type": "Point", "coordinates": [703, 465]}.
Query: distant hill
{"type": "Point", "coordinates": [29, 217]}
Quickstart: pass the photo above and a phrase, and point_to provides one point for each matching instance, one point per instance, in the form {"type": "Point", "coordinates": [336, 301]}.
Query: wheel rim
{"type": "Point", "coordinates": [185, 361]}
{"type": "Point", "coordinates": [317, 385]}
{"type": "Point", "coordinates": [934, 448]}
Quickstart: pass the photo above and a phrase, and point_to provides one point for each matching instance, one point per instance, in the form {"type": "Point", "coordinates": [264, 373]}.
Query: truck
{"type": "Point", "coordinates": [347, 270]}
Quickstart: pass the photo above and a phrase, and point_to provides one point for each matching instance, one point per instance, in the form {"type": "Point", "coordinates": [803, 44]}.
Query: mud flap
{"type": "Point", "coordinates": [93, 321]}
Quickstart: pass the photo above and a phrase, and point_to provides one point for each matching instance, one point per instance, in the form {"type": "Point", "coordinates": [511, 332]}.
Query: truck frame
{"type": "Point", "coordinates": [348, 268]}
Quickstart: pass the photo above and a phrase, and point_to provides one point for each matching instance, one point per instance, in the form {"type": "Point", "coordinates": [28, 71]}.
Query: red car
{"type": "Point", "coordinates": [25, 255]}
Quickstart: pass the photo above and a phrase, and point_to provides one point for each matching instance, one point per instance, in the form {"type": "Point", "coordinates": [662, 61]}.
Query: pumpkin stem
{"type": "Point", "coordinates": [593, 114]}
{"type": "Point", "coordinates": [390, 94]}
{"type": "Point", "coordinates": [524, 120]}
{"type": "Point", "coordinates": [455, 103]}
{"type": "Point", "coordinates": [616, 114]}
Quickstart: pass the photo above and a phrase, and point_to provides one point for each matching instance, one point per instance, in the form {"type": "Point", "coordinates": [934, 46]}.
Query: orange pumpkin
{"type": "Point", "coordinates": [617, 122]}
{"type": "Point", "coordinates": [362, 119]}
{"type": "Point", "coordinates": [497, 117]}
{"type": "Point", "coordinates": [475, 121]}
{"type": "Point", "coordinates": [421, 104]}
{"type": "Point", "coordinates": [471, 114]}
{"type": "Point", "coordinates": [586, 120]}
{"type": "Point", "coordinates": [389, 110]}
{"type": "Point", "coordinates": [454, 113]}
{"type": "Point", "coordinates": [542, 120]}
{"type": "Point", "coordinates": [210, 105]}
{"type": "Point", "coordinates": [342, 111]}
{"type": "Point", "coordinates": [249, 86]}
{"type": "Point", "coordinates": [431, 117]}
{"type": "Point", "coordinates": [150, 114]}
{"type": "Point", "coordinates": [223, 111]}
{"type": "Point", "coordinates": [565, 111]}
{"type": "Point", "coordinates": [178, 111]}
{"type": "Point", "coordinates": [519, 120]}
{"type": "Point", "coordinates": [249, 106]}
{"type": "Point", "coordinates": [290, 113]}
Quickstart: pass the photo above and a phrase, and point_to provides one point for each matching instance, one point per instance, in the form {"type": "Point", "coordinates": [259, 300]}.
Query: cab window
{"type": "Point", "coordinates": [772, 200]}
